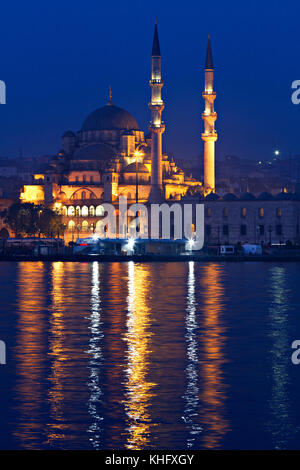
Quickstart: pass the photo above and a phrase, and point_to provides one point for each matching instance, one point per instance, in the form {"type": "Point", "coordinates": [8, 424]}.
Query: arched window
{"type": "Point", "coordinates": [64, 211]}
{"type": "Point", "coordinates": [243, 212]}
{"type": "Point", "coordinates": [71, 211]}
{"type": "Point", "coordinates": [71, 225]}
{"type": "Point", "coordinates": [208, 212]}
{"type": "Point", "coordinates": [92, 211]}
{"type": "Point", "coordinates": [99, 225]}
{"type": "Point", "coordinates": [92, 196]}
{"type": "Point", "coordinates": [83, 195]}
{"type": "Point", "coordinates": [279, 212]}
{"type": "Point", "coordinates": [84, 211]}
{"type": "Point", "coordinates": [225, 212]}
{"type": "Point", "coordinates": [85, 226]}
{"type": "Point", "coordinates": [261, 212]}
{"type": "Point", "coordinates": [77, 211]}
{"type": "Point", "coordinates": [99, 211]}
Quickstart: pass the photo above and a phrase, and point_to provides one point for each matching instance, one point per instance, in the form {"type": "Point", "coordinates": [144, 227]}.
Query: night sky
{"type": "Point", "coordinates": [58, 59]}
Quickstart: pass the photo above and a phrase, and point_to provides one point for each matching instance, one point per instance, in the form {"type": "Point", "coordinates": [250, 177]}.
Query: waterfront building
{"type": "Point", "coordinates": [110, 156]}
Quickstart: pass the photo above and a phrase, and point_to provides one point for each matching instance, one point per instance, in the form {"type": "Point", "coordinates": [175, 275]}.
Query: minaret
{"type": "Point", "coordinates": [209, 117]}
{"type": "Point", "coordinates": [156, 126]}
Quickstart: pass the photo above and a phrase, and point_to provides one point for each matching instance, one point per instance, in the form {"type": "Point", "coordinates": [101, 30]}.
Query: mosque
{"type": "Point", "coordinates": [110, 156]}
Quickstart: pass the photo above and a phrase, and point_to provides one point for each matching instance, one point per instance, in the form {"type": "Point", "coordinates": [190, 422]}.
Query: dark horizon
{"type": "Point", "coordinates": [58, 61]}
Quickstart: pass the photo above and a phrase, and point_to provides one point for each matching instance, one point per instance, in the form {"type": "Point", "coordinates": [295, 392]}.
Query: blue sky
{"type": "Point", "coordinates": [58, 59]}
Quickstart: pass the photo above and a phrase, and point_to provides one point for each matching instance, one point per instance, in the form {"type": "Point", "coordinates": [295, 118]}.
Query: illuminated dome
{"type": "Point", "coordinates": [110, 117]}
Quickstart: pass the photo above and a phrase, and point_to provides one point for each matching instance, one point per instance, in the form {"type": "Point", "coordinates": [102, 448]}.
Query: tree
{"type": "Point", "coordinates": [28, 219]}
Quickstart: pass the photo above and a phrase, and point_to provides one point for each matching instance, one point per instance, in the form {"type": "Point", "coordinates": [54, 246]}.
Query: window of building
{"type": "Point", "coordinates": [261, 212]}
{"type": "Point", "coordinates": [92, 196]}
{"type": "Point", "coordinates": [77, 211]}
{"type": "Point", "coordinates": [261, 229]}
{"type": "Point", "coordinates": [278, 229]}
{"type": "Point", "coordinates": [225, 230]}
{"type": "Point", "coordinates": [71, 211]}
{"type": "Point", "coordinates": [225, 212]}
{"type": "Point", "coordinates": [64, 210]}
{"type": "Point", "coordinates": [76, 179]}
{"type": "Point", "coordinates": [71, 225]}
{"type": "Point", "coordinates": [83, 195]}
{"type": "Point", "coordinates": [243, 212]}
{"type": "Point", "coordinates": [85, 226]}
{"type": "Point", "coordinates": [208, 212]}
{"type": "Point", "coordinates": [278, 212]}
{"type": "Point", "coordinates": [91, 179]}
{"type": "Point", "coordinates": [84, 211]}
{"type": "Point", "coordinates": [243, 229]}
{"type": "Point", "coordinates": [99, 211]}
{"type": "Point", "coordinates": [92, 211]}
{"type": "Point", "coordinates": [84, 178]}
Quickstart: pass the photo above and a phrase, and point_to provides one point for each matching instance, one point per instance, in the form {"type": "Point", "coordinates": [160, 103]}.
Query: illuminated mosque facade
{"type": "Point", "coordinates": [111, 157]}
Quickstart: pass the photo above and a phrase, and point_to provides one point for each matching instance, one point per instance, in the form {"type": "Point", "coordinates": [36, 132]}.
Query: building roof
{"type": "Point", "coordinates": [247, 197]}
{"type": "Point", "coordinates": [98, 151]}
{"type": "Point", "coordinates": [212, 197]}
{"type": "Point", "coordinates": [110, 117]}
{"type": "Point", "coordinates": [132, 168]}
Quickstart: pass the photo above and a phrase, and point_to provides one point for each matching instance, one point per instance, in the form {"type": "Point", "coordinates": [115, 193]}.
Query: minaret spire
{"type": "Point", "coordinates": [209, 117]}
{"type": "Point", "coordinates": [155, 46]}
{"type": "Point", "coordinates": [109, 103]}
{"type": "Point", "coordinates": [209, 65]}
{"type": "Point", "coordinates": [156, 126]}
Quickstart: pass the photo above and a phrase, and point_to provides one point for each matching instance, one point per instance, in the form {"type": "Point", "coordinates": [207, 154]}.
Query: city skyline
{"type": "Point", "coordinates": [47, 93]}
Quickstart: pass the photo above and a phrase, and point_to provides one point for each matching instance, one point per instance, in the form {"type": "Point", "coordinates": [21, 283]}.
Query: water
{"type": "Point", "coordinates": [149, 355]}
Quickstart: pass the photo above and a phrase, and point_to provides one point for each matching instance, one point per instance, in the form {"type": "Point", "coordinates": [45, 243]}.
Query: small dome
{"type": "Point", "coordinates": [94, 152]}
{"type": "Point", "coordinates": [212, 197]}
{"type": "Point", "coordinates": [229, 197]}
{"type": "Point", "coordinates": [110, 117]}
{"type": "Point", "coordinates": [132, 168]}
{"type": "Point", "coordinates": [284, 196]}
{"type": "Point", "coordinates": [247, 197]}
{"type": "Point", "coordinates": [265, 197]}
{"type": "Point", "coordinates": [68, 134]}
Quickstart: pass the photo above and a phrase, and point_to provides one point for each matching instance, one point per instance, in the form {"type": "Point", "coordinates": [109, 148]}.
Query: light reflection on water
{"type": "Point", "coordinates": [279, 423]}
{"type": "Point", "coordinates": [136, 355]}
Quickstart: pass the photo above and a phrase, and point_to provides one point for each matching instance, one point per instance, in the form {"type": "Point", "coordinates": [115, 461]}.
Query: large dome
{"type": "Point", "coordinates": [98, 151]}
{"type": "Point", "coordinates": [110, 117]}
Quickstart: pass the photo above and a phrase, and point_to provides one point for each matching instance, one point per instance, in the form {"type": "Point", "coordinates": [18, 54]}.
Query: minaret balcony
{"type": "Point", "coordinates": [157, 127]}
{"type": "Point", "coordinates": [209, 118]}
{"type": "Point", "coordinates": [210, 97]}
{"type": "Point", "coordinates": [156, 82]}
{"type": "Point", "coordinates": [156, 106]}
{"type": "Point", "coordinates": [209, 136]}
